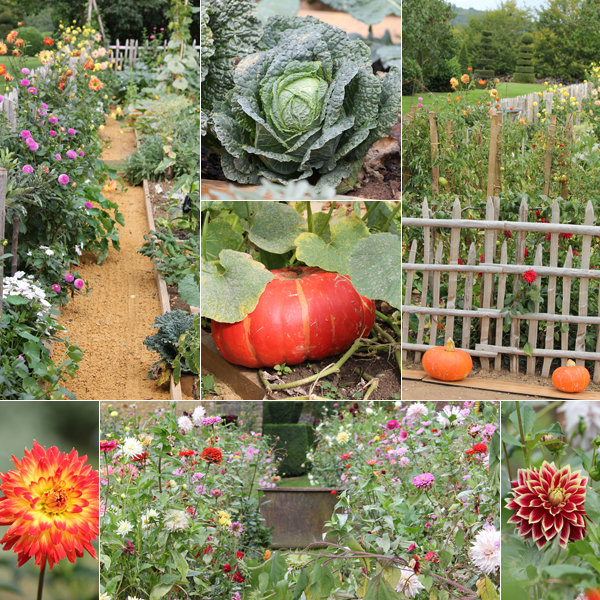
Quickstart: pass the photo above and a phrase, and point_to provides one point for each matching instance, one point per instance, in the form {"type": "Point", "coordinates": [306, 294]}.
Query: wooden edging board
{"type": "Point", "coordinates": [493, 385]}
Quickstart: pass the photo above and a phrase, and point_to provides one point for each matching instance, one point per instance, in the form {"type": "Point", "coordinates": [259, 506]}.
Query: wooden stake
{"type": "Point", "coordinates": [435, 169]}
{"type": "Point", "coordinates": [548, 164]}
{"type": "Point", "coordinates": [491, 179]}
{"type": "Point", "coordinates": [14, 247]}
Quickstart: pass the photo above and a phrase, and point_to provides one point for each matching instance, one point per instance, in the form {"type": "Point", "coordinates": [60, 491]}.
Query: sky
{"type": "Point", "coordinates": [491, 4]}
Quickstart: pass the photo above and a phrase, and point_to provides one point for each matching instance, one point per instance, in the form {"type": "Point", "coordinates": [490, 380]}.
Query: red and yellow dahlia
{"type": "Point", "coordinates": [50, 503]}
{"type": "Point", "coordinates": [549, 502]}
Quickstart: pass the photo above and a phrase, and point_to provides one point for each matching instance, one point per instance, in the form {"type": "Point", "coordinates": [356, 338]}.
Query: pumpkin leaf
{"type": "Point", "coordinates": [224, 231]}
{"type": "Point", "coordinates": [275, 226]}
{"type": "Point", "coordinates": [374, 268]}
{"type": "Point", "coordinates": [231, 289]}
{"type": "Point", "coordinates": [332, 254]}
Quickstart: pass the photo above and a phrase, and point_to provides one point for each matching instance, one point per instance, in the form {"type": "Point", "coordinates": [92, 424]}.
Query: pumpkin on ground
{"type": "Point", "coordinates": [304, 313]}
{"type": "Point", "coordinates": [571, 378]}
{"type": "Point", "coordinates": [447, 363]}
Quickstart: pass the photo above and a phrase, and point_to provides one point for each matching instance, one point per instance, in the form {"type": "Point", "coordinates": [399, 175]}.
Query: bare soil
{"type": "Point", "coordinates": [111, 322]}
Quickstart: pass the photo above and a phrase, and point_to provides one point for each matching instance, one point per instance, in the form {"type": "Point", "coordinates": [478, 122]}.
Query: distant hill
{"type": "Point", "coordinates": [464, 14]}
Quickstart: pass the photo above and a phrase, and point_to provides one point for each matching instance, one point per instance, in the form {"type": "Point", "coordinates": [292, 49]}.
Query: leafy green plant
{"type": "Point", "coordinates": [207, 386]}
{"type": "Point", "coordinates": [306, 106]}
{"type": "Point", "coordinates": [282, 369]}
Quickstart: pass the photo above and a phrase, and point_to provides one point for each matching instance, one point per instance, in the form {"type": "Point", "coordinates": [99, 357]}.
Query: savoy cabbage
{"type": "Point", "coordinates": [307, 105]}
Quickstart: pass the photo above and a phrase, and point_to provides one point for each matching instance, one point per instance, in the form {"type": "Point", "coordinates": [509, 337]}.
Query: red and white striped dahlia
{"type": "Point", "coordinates": [50, 503]}
{"type": "Point", "coordinates": [549, 502]}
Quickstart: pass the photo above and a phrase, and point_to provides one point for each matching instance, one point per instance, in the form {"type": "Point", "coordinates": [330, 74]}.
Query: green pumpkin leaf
{"type": "Point", "coordinates": [332, 255]}
{"type": "Point", "coordinates": [231, 289]}
{"type": "Point", "coordinates": [275, 226]}
{"type": "Point", "coordinates": [374, 267]}
{"type": "Point", "coordinates": [188, 289]}
{"type": "Point", "coordinates": [224, 231]}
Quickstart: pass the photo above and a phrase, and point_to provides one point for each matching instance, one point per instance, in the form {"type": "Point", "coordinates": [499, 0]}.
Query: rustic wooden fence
{"type": "Point", "coordinates": [128, 52]}
{"type": "Point", "coordinates": [497, 275]}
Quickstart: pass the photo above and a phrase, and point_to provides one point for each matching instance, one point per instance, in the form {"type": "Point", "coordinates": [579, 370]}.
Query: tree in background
{"type": "Point", "coordinates": [11, 13]}
{"type": "Point", "coordinates": [427, 38]}
{"type": "Point", "coordinates": [507, 25]}
{"type": "Point", "coordinates": [567, 40]}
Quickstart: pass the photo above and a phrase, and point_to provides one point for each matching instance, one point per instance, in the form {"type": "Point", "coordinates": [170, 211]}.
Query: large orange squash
{"type": "Point", "coordinates": [447, 363]}
{"type": "Point", "coordinates": [304, 313]}
{"type": "Point", "coordinates": [571, 378]}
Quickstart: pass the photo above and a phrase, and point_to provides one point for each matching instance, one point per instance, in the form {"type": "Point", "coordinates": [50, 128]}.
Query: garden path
{"type": "Point", "coordinates": [111, 322]}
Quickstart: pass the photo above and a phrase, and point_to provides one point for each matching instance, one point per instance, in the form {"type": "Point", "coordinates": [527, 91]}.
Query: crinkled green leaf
{"type": "Point", "coordinates": [270, 8]}
{"type": "Point", "coordinates": [374, 267]}
{"type": "Point", "coordinates": [370, 12]}
{"type": "Point", "coordinates": [275, 226]}
{"type": "Point", "coordinates": [189, 290]}
{"type": "Point", "coordinates": [231, 289]}
{"type": "Point", "coordinates": [224, 231]}
{"type": "Point", "coordinates": [333, 255]}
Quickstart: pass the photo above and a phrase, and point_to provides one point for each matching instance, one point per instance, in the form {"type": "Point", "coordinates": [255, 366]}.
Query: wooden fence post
{"type": "Point", "coordinates": [488, 280]}
{"type": "Point", "coordinates": [548, 163]}
{"type": "Point", "coordinates": [584, 282]}
{"type": "Point", "coordinates": [491, 178]}
{"type": "Point", "coordinates": [425, 282]}
{"type": "Point", "coordinates": [453, 277]}
{"type": "Point", "coordinates": [3, 181]}
{"type": "Point", "coordinates": [435, 169]}
{"type": "Point", "coordinates": [551, 288]}
{"type": "Point", "coordinates": [515, 325]}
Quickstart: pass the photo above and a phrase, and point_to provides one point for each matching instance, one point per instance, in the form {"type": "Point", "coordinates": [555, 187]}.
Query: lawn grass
{"type": "Point", "coordinates": [433, 100]}
{"type": "Point", "coordinates": [295, 482]}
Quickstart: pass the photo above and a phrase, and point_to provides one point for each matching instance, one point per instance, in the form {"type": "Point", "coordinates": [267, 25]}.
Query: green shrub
{"type": "Point", "coordinates": [525, 70]}
{"type": "Point", "coordinates": [295, 440]}
{"type": "Point", "coordinates": [34, 39]}
{"type": "Point", "coordinates": [412, 76]}
{"type": "Point", "coordinates": [282, 412]}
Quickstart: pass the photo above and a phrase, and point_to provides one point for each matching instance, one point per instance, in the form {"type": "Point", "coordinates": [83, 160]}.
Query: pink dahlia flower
{"type": "Point", "coordinates": [549, 502]}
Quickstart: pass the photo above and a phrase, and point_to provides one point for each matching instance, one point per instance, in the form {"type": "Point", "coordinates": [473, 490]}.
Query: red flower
{"type": "Point", "coordinates": [48, 41]}
{"type": "Point", "coordinates": [108, 445]}
{"type": "Point", "coordinates": [508, 233]}
{"type": "Point", "coordinates": [479, 448]}
{"type": "Point", "coordinates": [333, 492]}
{"type": "Point", "coordinates": [142, 456]}
{"type": "Point", "coordinates": [186, 453]}
{"type": "Point", "coordinates": [593, 594]}
{"type": "Point", "coordinates": [566, 236]}
{"type": "Point", "coordinates": [549, 502]}
{"type": "Point", "coordinates": [226, 568]}
{"type": "Point", "coordinates": [530, 276]}
{"type": "Point", "coordinates": [526, 252]}
{"type": "Point", "coordinates": [212, 455]}
{"type": "Point", "coordinates": [470, 451]}
{"type": "Point", "coordinates": [238, 578]}
{"type": "Point", "coordinates": [460, 262]}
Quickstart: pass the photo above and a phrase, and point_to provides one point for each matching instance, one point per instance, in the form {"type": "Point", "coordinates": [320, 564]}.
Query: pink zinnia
{"type": "Point", "coordinates": [88, 204]}
{"type": "Point", "coordinates": [27, 169]}
{"type": "Point", "coordinates": [25, 82]}
{"type": "Point", "coordinates": [53, 120]}
{"type": "Point", "coordinates": [108, 445]}
{"type": "Point", "coordinates": [79, 284]}
{"type": "Point", "coordinates": [32, 144]}
{"type": "Point", "coordinates": [52, 133]}
{"type": "Point", "coordinates": [71, 131]}
{"type": "Point", "coordinates": [63, 179]}
{"type": "Point", "coordinates": [69, 278]}
{"type": "Point", "coordinates": [58, 157]}
{"type": "Point", "coordinates": [530, 276]}
{"type": "Point", "coordinates": [71, 154]}
{"type": "Point", "coordinates": [25, 134]}
{"type": "Point", "coordinates": [55, 287]}
{"type": "Point", "coordinates": [549, 502]}
{"type": "Point", "coordinates": [32, 90]}
{"type": "Point", "coordinates": [393, 424]}
{"type": "Point", "coordinates": [423, 481]}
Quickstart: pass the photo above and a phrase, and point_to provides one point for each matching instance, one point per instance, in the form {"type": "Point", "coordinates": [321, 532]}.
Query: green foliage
{"type": "Point", "coordinates": [484, 56]}
{"type": "Point", "coordinates": [188, 352]}
{"type": "Point", "coordinates": [34, 39]}
{"type": "Point", "coordinates": [273, 125]}
{"type": "Point", "coordinates": [295, 439]}
{"type": "Point", "coordinates": [368, 11]}
{"type": "Point", "coordinates": [412, 76]}
{"type": "Point", "coordinates": [524, 72]}
{"type": "Point", "coordinates": [427, 38]}
{"type": "Point", "coordinates": [281, 412]}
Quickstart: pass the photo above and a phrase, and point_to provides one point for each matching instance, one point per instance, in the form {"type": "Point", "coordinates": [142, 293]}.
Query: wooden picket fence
{"type": "Point", "coordinates": [127, 53]}
{"type": "Point", "coordinates": [495, 271]}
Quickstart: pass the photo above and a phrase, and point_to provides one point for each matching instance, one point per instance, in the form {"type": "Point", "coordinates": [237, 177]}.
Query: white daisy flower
{"type": "Point", "coordinates": [131, 447]}
{"type": "Point", "coordinates": [409, 583]}
{"type": "Point", "coordinates": [124, 527]}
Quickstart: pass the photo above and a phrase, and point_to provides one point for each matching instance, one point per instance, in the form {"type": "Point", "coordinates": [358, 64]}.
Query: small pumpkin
{"type": "Point", "coordinates": [571, 378]}
{"type": "Point", "coordinates": [447, 363]}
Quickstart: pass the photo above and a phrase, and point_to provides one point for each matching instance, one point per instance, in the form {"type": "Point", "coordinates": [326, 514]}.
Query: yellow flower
{"type": "Point", "coordinates": [224, 518]}
{"type": "Point", "coordinates": [342, 437]}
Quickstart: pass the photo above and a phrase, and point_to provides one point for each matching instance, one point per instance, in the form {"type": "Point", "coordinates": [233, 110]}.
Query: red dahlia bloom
{"type": "Point", "coordinates": [48, 41]}
{"type": "Point", "coordinates": [549, 502]}
{"type": "Point", "coordinates": [479, 448]}
{"type": "Point", "coordinates": [530, 276]}
{"type": "Point", "coordinates": [212, 455]}
{"type": "Point", "coordinates": [50, 503]}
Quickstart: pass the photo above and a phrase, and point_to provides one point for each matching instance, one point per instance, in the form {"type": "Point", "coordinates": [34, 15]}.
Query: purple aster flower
{"type": "Point", "coordinates": [423, 481]}
{"type": "Point", "coordinates": [63, 179]}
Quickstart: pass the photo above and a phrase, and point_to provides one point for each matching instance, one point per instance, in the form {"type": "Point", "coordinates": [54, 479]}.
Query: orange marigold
{"type": "Point", "coordinates": [50, 503]}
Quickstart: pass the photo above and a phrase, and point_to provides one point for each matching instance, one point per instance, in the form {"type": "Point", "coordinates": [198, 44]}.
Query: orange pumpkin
{"type": "Point", "coordinates": [571, 378]}
{"type": "Point", "coordinates": [447, 362]}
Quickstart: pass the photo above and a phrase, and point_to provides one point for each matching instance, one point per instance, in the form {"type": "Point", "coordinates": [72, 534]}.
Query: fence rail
{"type": "Point", "coordinates": [129, 51]}
{"type": "Point", "coordinates": [501, 327]}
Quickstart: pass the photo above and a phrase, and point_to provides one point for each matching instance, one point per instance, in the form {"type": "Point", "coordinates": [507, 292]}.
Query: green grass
{"type": "Point", "coordinates": [433, 100]}
{"type": "Point", "coordinates": [295, 481]}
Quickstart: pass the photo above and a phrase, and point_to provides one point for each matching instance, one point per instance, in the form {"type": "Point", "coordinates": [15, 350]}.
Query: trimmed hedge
{"type": "Point", "coordinates": [295, 440]}
{"type": "Point", "coordinates": [281, 412]}
{"type": "Point", "coordinates": [525, 71]}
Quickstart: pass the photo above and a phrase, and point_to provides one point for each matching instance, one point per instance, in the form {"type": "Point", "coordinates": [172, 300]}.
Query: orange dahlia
{"type": "Point", "coordinates": [549, 502]}
{"type": "Point", "coordinates": [50, 503]}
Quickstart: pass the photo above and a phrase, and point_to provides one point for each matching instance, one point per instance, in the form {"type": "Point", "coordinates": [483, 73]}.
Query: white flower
{"type": "Point", "coordinates": [133, 598]}
{"type": "Point", "coordinates": [573, 411]}
{"type": "Point", "coordinates": [415, 409]}
{"type": "Point", "coordinates": [104, 596]}
{"type": "Point", "coordinates": [176, 520]}
{"type": "Point", "coordinates": [149, 517]}
{"type": "Point", "coordinates": [342, 437]}
{"type": "Point", "coordinates": [185, 423]}
{"type": "Point", "coordinates": [409, 583]}
{"type": "Point", "coordinates": [445, 419]}
{"type": "Point", "coordinates": [369, 410]}
{"type": "Point", "coordinates": [124, 527]}
{"type": "Point", "coordinates": [485, 550]}
{"type": "Point", "coordinates": [23, 285]}
{"type": "Point", "coordinates": [131, 447]}
{"type": "Point", "coordinates": [198, 414]}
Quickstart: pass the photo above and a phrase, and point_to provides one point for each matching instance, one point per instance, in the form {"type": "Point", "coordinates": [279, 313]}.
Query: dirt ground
{"type": "Point", "coordinates": [111, 322]}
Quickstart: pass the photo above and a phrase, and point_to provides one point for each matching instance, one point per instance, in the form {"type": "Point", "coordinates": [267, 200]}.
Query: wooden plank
{"type": "Point", "coordinates": [498, 165]}
{"type": "Point", "coordinates": [244, 382]}
{"type": "Point", "coordinates": [468, 303]}
{"type": "Point", "coordinates": [515, 325]}
{"type": "Point", "coordinates": [548, 161]}
{"type": "Point", "coordinates": [500, 304]}
{"type": "Point", "coordinates": [434, 150]}
{"type": "Point", "coordinates": [533, 325]}
{"type": "Point", "coordinates": [425, 280]}
{"type": "Point", "coordinates": [584, 355]}
{"type": "Point", "coordinates": [551, 306]}
{"type": "Point", "coordinates": [586, 246]}
{"type": "Point", "coordinates": [408, 296]}
{"type": "Point", "coordinates": [566, 305]}
{"type": "Point", "coordinates": [425, 347]}
{"type": "Point", "coordinates": [488, 281]}
{"type": "Point", "coordinates": [435, 293]}
{"type": "Point", "coordinates": [453, 278]}
{"type": "Point", "coordinates": [413, 374]}
{"type": "Point", "coordinates": [492, 157]}
{"type": "Point", "coordinates": [596, 375]}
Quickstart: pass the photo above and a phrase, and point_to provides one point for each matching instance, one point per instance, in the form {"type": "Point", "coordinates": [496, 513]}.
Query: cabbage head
{"type": "Point", "coordinates": [306, 106]}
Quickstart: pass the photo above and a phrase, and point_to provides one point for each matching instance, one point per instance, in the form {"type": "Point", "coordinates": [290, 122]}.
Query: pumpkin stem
{"type": "Point", "coordinates": [450, 347]}
{"type": "Point", "coordinates": [571, 363]}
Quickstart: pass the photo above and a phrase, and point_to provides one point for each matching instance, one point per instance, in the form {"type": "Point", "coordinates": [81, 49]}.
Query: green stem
{"type": "Point", "coordinates": [522, 434]}
{"type": "Point", "coordinates": [390, 322]}
{"type": "Point", "coordinates": [507, 461]}
{"type": "Point", "coordinates": [331, 209]}
{"type": "Point", "coordinates": [370, 210]}
{"type": "Point", "coordinates": [372, 387]}
{"type": "Point", "coordinates": [309, 217]}
{"type": "Point", "coordinates": [328, 371]}
{"type": "Point", "coordinates": [391, 217]}
{"type": "Point", "coordinates": [41, 582]}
